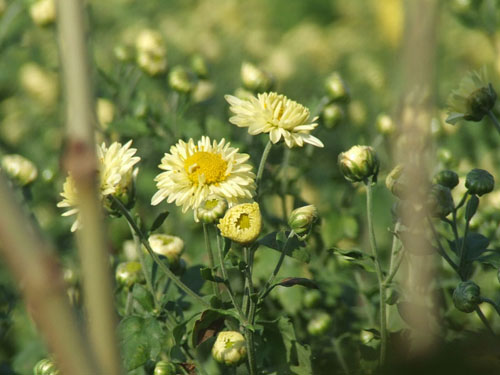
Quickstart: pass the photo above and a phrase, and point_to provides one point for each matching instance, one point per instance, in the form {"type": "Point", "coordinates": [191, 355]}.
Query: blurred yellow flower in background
{"type": "Point", "coordinates": [193, 172]}
{"type": "Point", "coordinates": [277, 115]}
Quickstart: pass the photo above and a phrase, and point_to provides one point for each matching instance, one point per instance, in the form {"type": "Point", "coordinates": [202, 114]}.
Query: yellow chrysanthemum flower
{"type": "Point", "coordinates": [116, 171]}
{"type": "Point", "coordinates": [242, 223]}
{"type": "Point", "coordinates": [195, 171]}
{"type": "Point", "coordinates": [277, 115]}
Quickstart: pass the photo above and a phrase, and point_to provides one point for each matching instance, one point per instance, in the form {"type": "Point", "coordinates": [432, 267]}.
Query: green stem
{"type": "Point", "coordinates": [340, 355]}
{"type": "Point", "coordinates": [262, 163]}
{"type": "Point", "coordinates": [484, 320]}
{"type": "Point", "coordinates": [462, 246]}
{"type": "Point", "coordinates": [142, 260]}
{"type": "Point", "coordinates": [248, 331]}
{"type": "Point", "coordinates": [155, 257]}
{"type": "Point", "coordinates": [380, 276]}
{"type": "Point", "coordinates": [441, 250]}
{"type": "Point", "coordinates": [394, 269]}
{"type": "Point", "coordinates": [492, 303]}
{"type": "Point", "coordinates": [227, 283]}
{"type": "Point", "coordinates": [284, 182]}
{"type": "Point", "coordinates": [494, 119]}
{"type": "Point", "coordinates": [211, 260]}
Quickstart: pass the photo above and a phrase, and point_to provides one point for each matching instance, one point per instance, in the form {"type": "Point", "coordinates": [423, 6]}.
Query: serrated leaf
{"type": "Point", "coordinates": [357, 257]}
{"type": "Point", "coordinates": [475, 245]}
{"type": "Point", "coordinates": [295, 248]}
{"type": "Point", "coordinates": [298, 355]}
{"type": "Point", "coordinates": [143, 297]}
{"type": "Point", "coordinates": [159, 221]}
{"type": "Point", "coordinates": [208, 325]}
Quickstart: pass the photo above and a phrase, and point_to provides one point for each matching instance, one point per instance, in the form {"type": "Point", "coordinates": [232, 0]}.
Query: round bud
{"type": "Point", "coordinates": [169, 246]}
{"type": "Point", "coordinates": [480, 102]}
{"type": "Point", "coordinates": [446, 178]}
{"type": "Point", "coordinates": [359, 163]}
{"type": "Point", "coordinates": [466, 296]}
{"type": "Point", "coordinates": [203, 91]}
{"type": "Point", "coordinates": [123, 53]}
{"type": "Point", "coordinates": [384, 124]}
{"type": "Point", "coordinates": [20, 169]}
{"type": "Point", "coordinates": [394, 182]}
{"type": "Point", "coordinates": [129, 273]}
{"type": "Point", "coordinates": [45, 367]}
{"type": "Point", "coordinates": [165, 368]}
{"type": "Point", "coordinates": [366, 336]}
{"type": "Point", "coordinates": [229, 348]}
{"type": "Point", "coordinates": [301, 220]}
{"type": "Point", "coordinates": [336, 88]}
{"type": "Point", "coordinates": [312, 298]}
{"type": "Point", "coordinates": [105, 112]}
{"type": "Point", "coordinates": [319, 324]}
{"type": "Point", "coordinates": [211, 210]}
{"type": "Point", "coordinates": [479, 182]}
{"type": "Point", "coordinates": [255, 79]}
{"type": "Point", "coordinates": [43, 12]}
{"type": "Point", "coordinates": [199, 66]}
{"type": "Point", "coordinates": [332, 115]}
{"type": "Point", "coordinates": [180, 81]}
{"type": "Point", "coordinates": [242, 223]}
{"type": "Point", "coordinates": [440, 201]}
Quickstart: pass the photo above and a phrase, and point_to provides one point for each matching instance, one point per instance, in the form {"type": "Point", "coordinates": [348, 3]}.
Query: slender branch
{"type": "Point", "coordinates": [494, 120]}
{"type": "Point", "coordinates": [462, 246]}
{"type": "Point", "coordinates": [262, 163]}
{"type": "Point", "coordinates": [211, 261]}
{"type": "Point", "coordinates": [155, 257]}
{"type": "Point", "coordinates": [441, 250]}
{"type": "Point", "coordinates": [284, 182]}
{"type": "Point", "coordinates": [395, 269]}
{"type": "Point", "coordinates": [248, 332]}
{"type": "Point", "coordinates": [380, 276]}
{"type": "Point", "coordinates": [484, 321]}
{"type": "Point", "coordinates": [492, 303]}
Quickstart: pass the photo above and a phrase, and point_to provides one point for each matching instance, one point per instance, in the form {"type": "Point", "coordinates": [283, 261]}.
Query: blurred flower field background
{"type": "Point", "coordinates": [165, 71]}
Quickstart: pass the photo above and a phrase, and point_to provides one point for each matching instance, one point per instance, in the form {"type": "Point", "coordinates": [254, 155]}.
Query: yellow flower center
{"type": "Point", "coordinates": [211, 204]}
{"type": "Point", "coordinates": [243, 222]}
{"type": "Point", "coordinates": [210, 165]}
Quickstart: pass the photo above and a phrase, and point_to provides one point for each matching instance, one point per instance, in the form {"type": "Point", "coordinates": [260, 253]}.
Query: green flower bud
{"type": "Point", "coordinates": [336, 89]}
{"type": "Point", "coordinates": [446, 178]}
{"type": "Point", "coordinates": [312, 298]}
{"type": "Point", "coordinates": [20, 169]}
{"type": "Point", "coordinates": [45, 367]}
{"type": "Point", "coordinates": [384, 124]}
{"type": "Point", "coordinates": [366, 336]}
{"type": "Point", "coordinates": [479, 182]}
{"type": "Point", "coordinates": [199, 66]}
{"type": "Point", "coordinates": [165, 368]}
{"type": "Point", "coordinates": [123, 53]}
{"type": "Point", "coordinates": [440, 202]}
{"type": "Point", "coordinates": [169, 246]}
{"type": "Point", "coordinates": [359, 163]}
{"type": "Point", "coordinates": [255, 79]}
{"type": "Point", "coordinates": [211, 210]}
{"type": "Point", "coordinates": [203, 91]}
{"type": "Point", "coordinates": [319, 324]}
{"type": "Point", "coordinates": [332, 115]}
{"type": "Point", "coordinates": [129, 273]}
{"type": "Point", "coordinates": [229, 348]}
{"type": "Point", "coordinates": [301, 220]}
{"type": "Point", "coordinates": [480, 102]}
{"type": "Point", "coordinates": [180, 81]}
{"type": "Point", "coordinates": [466, 296]}
{"type": "Point", "coordinates": [394, 181]}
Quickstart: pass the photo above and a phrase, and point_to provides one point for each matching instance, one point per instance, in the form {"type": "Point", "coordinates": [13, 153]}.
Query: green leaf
{"type": "Point", "coordinates": [292, 281]}
{"type": "Point", "coordinates": [143, 297]}
{"type": "Point", "coordinates": [129, 127]}
{"type": "Point", "coordinates": [295, 248]}
{"type": "Point", "coordinates": [490, 257]}
{"type": "Point", "coordinates": [356, 257]}
{"type": "Point", "coordinates": [207, 274]}
{"type": "Point", "coordinates": [298, 355]}
{"type": "Point", "coordinates": [475, 245]}
{"type": "Point", "coordinates": [159, 220]}
{"type": "Point", "coordinates": [208, 325]}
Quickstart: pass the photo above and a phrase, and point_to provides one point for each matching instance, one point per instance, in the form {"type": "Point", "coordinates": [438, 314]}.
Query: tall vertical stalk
{"type": "Point", "coordinates": [251, 311]}
{"type": "Point", "coordinates": [211, 260]}
{"type": "Point", "coordinates": [81, 162]}
{"type": "Point", "coordinates": [380, 276]}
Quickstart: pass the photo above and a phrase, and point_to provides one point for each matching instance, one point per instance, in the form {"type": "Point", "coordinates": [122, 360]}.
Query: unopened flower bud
{"type": "Point", "coordinates": [203, 91]}
{"type": "Point", "coordinates": [384, 124]}
{"type": "Point", "coordinates": [446, 178]}
{"type": "Point", "coordinates": [440, 201]}
{"type": "Point", "coordinates": [199, 66]}
{"type": "Point", "coordinates": [229, 348]}
{"type": "Point", "coordinates": [479, 182]}
{"type": "Point", "coordinates": [123, 53]}
{"type": "Point", "coordinates": [151, 64]}
{"type": "Point", "coordinates": [169, 246]}
{"type": "Point", "coordinates": [165, 368]}
{"type": "Point", "coordinates": [129, 273]}
{"type": "Point", "coordinates": [242, 223]}
{"type": "Point", "coordinates": [301, 220]}
{"type": "Point", "coordinates": [151, 52]}
{"type": "Point", "coordinates": [211, 210]}
{"type": "Point", "coordinates": [45, 367]}
{"type": "Point", "coordinates": [359, 163]}
{"type": "Point", "coordinates": [319, 324]}
{"type": "Point", "coordinates": [366, 336]}
{"type": "Point", "coordinates": [255, 79]}
{"type": "Point", "coordinates": [179, 80]}
{"type": "Point", "coordinates": [466, 296]}
{"type": "Point", "coordinates": [332, 115]}
{"type": "Point", "coordinates": [394, 181]}
{"type": "Point", "coordinates": [20, 169]}
{"type": "Point", "coordinates": [312, 298]}
{"type": "Point", "coordinates": [43, 12]}
{"type": "Point", "coordinates": [105, 112]}
{"type": "Point", "coordinates": [336, 89]}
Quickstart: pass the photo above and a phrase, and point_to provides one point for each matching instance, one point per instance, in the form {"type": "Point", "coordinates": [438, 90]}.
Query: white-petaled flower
{"type": "Point", "coordinates": [277, 115]}
{"type": "Point", "coordinates": [116, 171]}
{"type": "Point", "coordinates": [195, 171]}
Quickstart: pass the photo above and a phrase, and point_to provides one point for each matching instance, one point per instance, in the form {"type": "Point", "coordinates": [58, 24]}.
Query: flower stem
{"type": "Point", "coordinates": [155, 257]}
{"type": "Point", "coordinates": [494, 120]}
{"type": "Point", "coordinates": [484, 321]}
{"type": "Point", "coordinates": [380, 276]}
{"type": "Point", "coordinates": [251, 312]}
{"type": "Point", "coordinates": [260, 171]}
{"type": "Point", "coordinates": [487, 300]}
{"type": "Point", "coordinates": [208, 247]}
